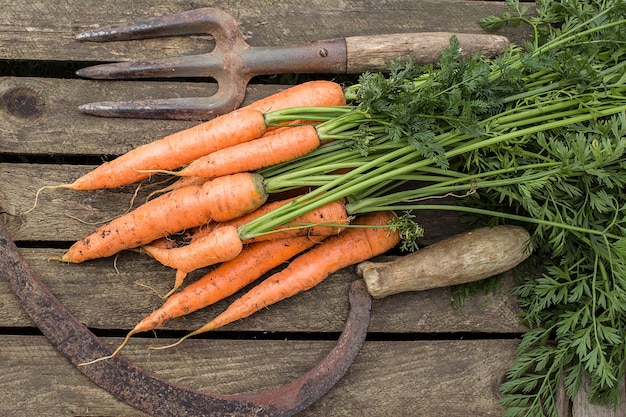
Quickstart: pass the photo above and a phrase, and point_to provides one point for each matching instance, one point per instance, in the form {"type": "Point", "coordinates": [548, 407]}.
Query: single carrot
{"type": "Point", "coordinates": [175, 150]}
{"type": "Point", "coordinates": [309, 94]}
{"type": "Point", "coordinates": [286, 145]}
{"type": "Point", "coordinates": [221, 245]}
{"type": "Point", "coordinates": [372, 236]}
{"type": "Point", "coordinates": [225, 280]}
{"type": "Point", "coordinates": [220, 199]}
{"type": "Point", "coordinates": [327, 220]}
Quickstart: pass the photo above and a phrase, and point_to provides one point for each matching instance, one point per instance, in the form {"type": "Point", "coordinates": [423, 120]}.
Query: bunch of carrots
{"type": "Point", "coordinates": [465, 125]}
{"type": "Point", "coordinates": [218, 192]}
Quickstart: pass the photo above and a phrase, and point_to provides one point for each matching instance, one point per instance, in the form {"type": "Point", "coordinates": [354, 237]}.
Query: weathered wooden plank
{"type": "Point", "coordinates": [41, 116]}
{"type": "Point", "coordinates": [105, 298]}
{"type": "Point", "coordinates": [582, 408]}
{"type": "Point", "coordinates": [67, 215]}
{"type": "Point", "coordinates": [429, 378]}
{"type": "Point", "coordinates": [45, 30]}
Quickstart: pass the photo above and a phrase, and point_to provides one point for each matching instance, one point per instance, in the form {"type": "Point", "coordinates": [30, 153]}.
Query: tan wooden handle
{"type": "Point", "coordinates": [375, 53]}
{"type": "Point", "coordinates": [462, 258]}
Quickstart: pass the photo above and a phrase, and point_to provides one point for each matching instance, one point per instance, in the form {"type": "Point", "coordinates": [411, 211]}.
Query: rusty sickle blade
{"type": "Point", "coordinates": [131, 384]}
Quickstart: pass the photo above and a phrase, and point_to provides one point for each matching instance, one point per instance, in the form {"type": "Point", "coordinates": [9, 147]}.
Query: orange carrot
{"type": "Point", "coordinates": [189, 236]}
{"type": "Point", "coordinates": [199, 232]}
{"type": "Point", "coordinates": [309, 94]}
{"type": "Point", "coordinates": [220, 199]}
{"type": "Point", "coordinates": [175, 150]}
{"type": "Point", "coordinates": [221, 245]}
{"type": "Point", "coordinates": [217, 241]}
{"type": "Point", "coordinates": [166, 242]}
{"type": "Point", "coordinates": [179, 183]}
{"type": "Point", "coordinates": [352, 246]}
{"type": "Point", "coordinates": [229, 277]}
{"type": "Point", "coordinates": [180, 148]}
{"type": "Point", "coordinates": [324, 221]}
{"type": "Point", "coordinates": [290, 143]}
{"type": "Point", "coordinates": [188, 180]}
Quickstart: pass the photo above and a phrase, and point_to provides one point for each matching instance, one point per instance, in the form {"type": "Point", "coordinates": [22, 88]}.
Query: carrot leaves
{"type": "Point", "coordinates": [536, 135]}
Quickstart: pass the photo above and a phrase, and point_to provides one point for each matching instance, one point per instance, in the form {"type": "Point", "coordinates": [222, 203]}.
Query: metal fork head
{"type": "Point", "coordinates": [223, 64]}
{"type": "Point", "coordinates": [232, 63]}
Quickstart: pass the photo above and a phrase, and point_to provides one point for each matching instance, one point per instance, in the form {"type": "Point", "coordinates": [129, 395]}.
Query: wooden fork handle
{"type": "Point", "coordinates": [375, 53]}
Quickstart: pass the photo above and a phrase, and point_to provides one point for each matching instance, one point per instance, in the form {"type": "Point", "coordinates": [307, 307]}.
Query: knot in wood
{"type": "Point", "coordinates": [22, 102]}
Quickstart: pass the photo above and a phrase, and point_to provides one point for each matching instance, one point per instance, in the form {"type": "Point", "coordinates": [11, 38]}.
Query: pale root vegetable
{"type": "Point", "coordinates": [463, 258]}
{"type": "Point", "coordinates": [220, 199]}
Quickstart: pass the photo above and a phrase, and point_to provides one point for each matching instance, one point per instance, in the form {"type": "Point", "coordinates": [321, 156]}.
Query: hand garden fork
{"type": "Point", "coordinates": [232, 63]}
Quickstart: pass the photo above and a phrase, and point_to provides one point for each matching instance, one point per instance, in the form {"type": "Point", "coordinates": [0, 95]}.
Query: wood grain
{"type": "Point", "coordinates": [425, 378]}
{"type": "Point", "coordinates": [105, 295]}
{"type": "Point", "coordinates": [40, 116]}
{"type": "Point", "coordinates": [35, 31]}
{"type": "Point", "coordinates": [423, 357]}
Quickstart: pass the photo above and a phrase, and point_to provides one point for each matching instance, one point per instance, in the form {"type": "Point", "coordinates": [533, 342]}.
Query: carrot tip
{"type": "Point", "coordinates": [62, 258]}
{"type": "Point", "coordinates": [115, 352]}
{"type": "Point", "coordinates": [46, 187]}
{"type": "Point", "coordinates": [154, 290]}
{"type": "Point", "coordinates": [178, 342]}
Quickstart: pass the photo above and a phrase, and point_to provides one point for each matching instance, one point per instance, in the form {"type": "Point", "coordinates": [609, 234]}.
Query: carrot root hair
{"type": "Point", "coordinates": [115, 352]}
{"type": "Point", "coordinates": [45, 187]}
{"type": "Point", "coordinates": [178, 342]}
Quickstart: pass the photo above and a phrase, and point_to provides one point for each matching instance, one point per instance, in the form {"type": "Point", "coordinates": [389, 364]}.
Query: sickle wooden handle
{"type": "Point", "coordinates": [375, 53]}
{"type": "Point", "coordinates": [463, 258]}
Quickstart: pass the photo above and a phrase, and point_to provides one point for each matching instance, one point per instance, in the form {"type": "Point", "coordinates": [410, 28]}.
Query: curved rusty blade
{"type": "Point", "coordinates": [156, 396]}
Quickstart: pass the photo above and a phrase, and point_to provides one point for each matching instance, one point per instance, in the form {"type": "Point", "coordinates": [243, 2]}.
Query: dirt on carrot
{"type": "Point", "coordinates": [220, 199]}
{"type": "Point", "coordinates": [221, 245]}
{"type": "Point", "coordinates": [371, 236]}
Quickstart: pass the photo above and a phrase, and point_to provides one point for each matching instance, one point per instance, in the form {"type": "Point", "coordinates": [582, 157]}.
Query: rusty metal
{"type": "Point", "coordinates": [232, 63]}
{"type": "Point", "coordinates": [158, 397]}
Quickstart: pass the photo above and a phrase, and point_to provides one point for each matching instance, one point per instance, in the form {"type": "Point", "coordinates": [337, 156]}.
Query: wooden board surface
{"type": "Point", "coordinates": [438, 379]}
{"type": "Point", "coordinates": [423, 357]}
{"type": "Point", "coordinates": [28, 33]}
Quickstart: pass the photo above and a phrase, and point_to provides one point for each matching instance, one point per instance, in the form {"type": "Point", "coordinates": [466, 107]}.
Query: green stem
{"type": "Point", "coordinates": [371, 173]}
{"type": "Point", "coordinates": [508, 216]}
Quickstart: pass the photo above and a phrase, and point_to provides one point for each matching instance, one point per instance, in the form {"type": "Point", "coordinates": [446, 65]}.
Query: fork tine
{"type": "Point", "coordinates": [206, 65]}
{"type": "Point", "coordinates": [204, 20]}
{"type": "Point", "coordinates": [196, 108]}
